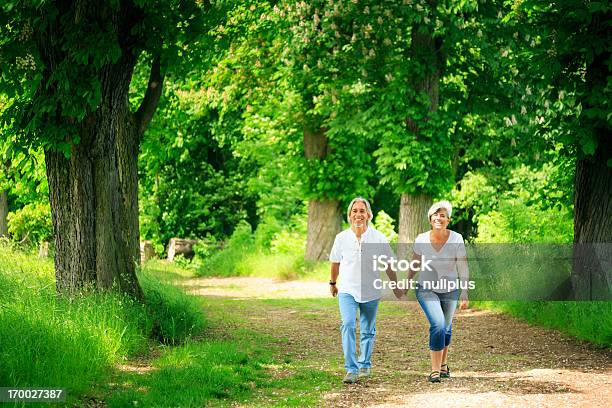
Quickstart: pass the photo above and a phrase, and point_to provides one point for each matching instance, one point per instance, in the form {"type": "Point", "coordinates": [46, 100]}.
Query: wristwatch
{"type": "Point", "coordinates": [332, 283]}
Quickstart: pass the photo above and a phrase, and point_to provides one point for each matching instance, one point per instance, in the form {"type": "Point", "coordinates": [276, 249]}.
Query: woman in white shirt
{"type": "Point", "coordinates": [439, 283]}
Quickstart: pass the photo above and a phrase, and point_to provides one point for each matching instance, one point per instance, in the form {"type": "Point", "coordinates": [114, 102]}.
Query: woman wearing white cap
{"type": "Point", "coordinates": [440, 282]}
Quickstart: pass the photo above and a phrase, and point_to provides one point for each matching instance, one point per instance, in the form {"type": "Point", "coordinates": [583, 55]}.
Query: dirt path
{"type": "Point", "coordinates": [496, 360]}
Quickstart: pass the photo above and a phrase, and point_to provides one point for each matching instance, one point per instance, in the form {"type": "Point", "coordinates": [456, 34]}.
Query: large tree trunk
{"type": "Point", "coordinates": [592, 265]}
{"type": "Point", "coordinates": [93, 195]}
{"type": "Point", "coordinates": [413, 216]}
{"type": "Point", "coordinates": [413, 207]}
{"type": "Point", "coordinates": [592, 260]}
{"type": "Point", "coordinates": [324, 215]}
{"type": "Point", "coordinates": [72, 212]}
{"type": "Point", "coordinates": [3, 213]}
{"type": "Point", "coordinates": [324, 222]}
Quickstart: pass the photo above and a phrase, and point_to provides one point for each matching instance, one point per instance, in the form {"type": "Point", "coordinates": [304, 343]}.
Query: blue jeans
{"type": "Point", "coordinates": [439, 309]}
{"type": "Point", "coordinates": [367, 323]}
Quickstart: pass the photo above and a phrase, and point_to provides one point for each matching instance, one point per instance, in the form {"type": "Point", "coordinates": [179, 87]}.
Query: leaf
{"type": "Point", "coordinates": [589, 147]}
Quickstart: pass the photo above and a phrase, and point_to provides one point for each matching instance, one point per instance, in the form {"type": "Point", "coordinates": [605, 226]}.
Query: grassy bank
{"type": "Point", "coordinates": [590, 321]}
{"type": "Point", "coordinates": [75, 343]}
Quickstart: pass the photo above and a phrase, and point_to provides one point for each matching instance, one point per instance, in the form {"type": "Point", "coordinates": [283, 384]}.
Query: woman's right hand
{"type": "Point", "coordinates": [333, 289]}
{"type": "Point", "coordinates": [464, 302]}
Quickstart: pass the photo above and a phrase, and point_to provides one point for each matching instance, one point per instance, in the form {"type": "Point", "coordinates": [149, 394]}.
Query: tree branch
{"type": "Point", "coordinates": [147, 108]}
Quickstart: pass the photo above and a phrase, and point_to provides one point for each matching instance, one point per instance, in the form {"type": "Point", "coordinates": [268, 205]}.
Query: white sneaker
{"type": "Point", "coordinates": [364, 373]}
{"type": "Point", "coordinates": [350, 378]}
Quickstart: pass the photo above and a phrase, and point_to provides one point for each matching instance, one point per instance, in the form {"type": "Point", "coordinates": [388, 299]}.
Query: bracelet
{"type": "Point", "coordinates": [332, 283]}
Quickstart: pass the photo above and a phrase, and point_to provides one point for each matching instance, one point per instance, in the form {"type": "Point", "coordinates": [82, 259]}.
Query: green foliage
{"type": "Point", "coordinates": [272, 251]}
{"type": "Point", "coordinates": [514, 221]}
{"type": "Point", "coordinates": [441, 45]}
{"type": "Point", "coordinates": [191, 184]}
{"type": "Point", "coordinates": [31, 223]}
{"type": "Point", "coordinates": [475, 192]}
{"type": "Point", "coordinates": [385, 224]}
{"type": "Point", "coordinates": [270, 139]}
{"type": "Point", "coordinates": [292, 238]}
{"type": "Point", "coordinates": [22, 174]}
{"type": "Point", "coordinates": [230, 260]}
{"type": "Point", "coordinates": [266, 232]}
{"type": "Point", "coordinates": [522, 204]}
{"type": "Point", "coordinates": [54, 55]}
{"type": "Point", "coordinates": [308, 94]}
{"type": "Point", "coordinates": [288, 241]}
{"type": "Point", "coordinates": [563, 56]}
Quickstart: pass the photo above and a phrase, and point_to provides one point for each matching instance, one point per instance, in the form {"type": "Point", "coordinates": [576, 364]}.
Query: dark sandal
{"type": "Point", "coordinates": [434, 377]}
{"type": "Point", "coordinates": [445, 373]}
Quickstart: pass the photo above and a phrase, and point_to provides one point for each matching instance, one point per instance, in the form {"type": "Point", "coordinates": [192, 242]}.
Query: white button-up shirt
{"type": "Point", "coordinates": [357, 274]}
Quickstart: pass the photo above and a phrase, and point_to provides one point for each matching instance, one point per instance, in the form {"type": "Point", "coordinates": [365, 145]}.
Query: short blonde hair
{"type": "Point", "coordinates": [368, 209]}
{"type": "Point", "coordinates": [444, 205]}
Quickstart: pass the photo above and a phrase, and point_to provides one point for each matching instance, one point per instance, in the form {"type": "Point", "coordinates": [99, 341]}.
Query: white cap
{"type": "Point", "coordinates": [438, 205]}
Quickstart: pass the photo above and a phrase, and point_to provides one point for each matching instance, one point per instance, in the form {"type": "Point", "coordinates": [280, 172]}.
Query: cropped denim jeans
{"type": "Point", "coordinates": [439, 309]}
{"type": "Point", "coordinates": [367, 324]}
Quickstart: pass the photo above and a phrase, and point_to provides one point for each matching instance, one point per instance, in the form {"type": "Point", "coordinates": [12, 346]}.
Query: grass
{"type": "Point", "coordinates": [46, 339]}
{"type": "Point", "coordinates": [222, 372]}
{"type": "Point", "coordinates": [247, 261]}
{"type": "Point", "coordinates": [193, 374]}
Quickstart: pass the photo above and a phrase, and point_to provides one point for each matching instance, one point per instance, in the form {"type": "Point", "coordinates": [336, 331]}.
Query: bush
{"type": "Point", "coordinates": [31, 223]}
{"type": "Point", "coordinates": [385, 224]}
{"type": "Point", "coordinates": [266, 232]}
{"type": "Point", "coordinates": [228, 262]}
{"type": "Point", "coordinates": [264, 253]}
{"type": "Point", "coordinates": [528, 205]}
{"type": "Point", "coordinates": [517, 222]}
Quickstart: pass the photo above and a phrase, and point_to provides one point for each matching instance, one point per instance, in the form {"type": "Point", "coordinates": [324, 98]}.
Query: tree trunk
{"type": "Point", "coordinates": [324, 215]}
{"type": "Point", "coordinates": [71, 194]}
{"type": "Point", "coordinates": [592, 268]}
{"type": "Point", "coordinates": [93, 194]}
{"type": "Point", "coordinates": [592, 258]}
{"type": "Point", "coordinates": [3, 213]}
{"type": "Point", "coordinates": [413, 207]}
{"type": "Point", "coordinates": [412, 220]}
{"type": "Point", "coordinates": [324, 222]}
